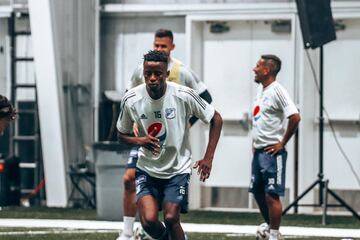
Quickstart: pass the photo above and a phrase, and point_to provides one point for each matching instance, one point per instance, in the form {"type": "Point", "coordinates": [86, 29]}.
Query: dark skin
{"type": "Point", "coordinates": [155, 74]}
{"type": "Point", "coordinates": [270, 204]}
{"type": "Point", "coordinates": [166, 45]}
{"type": "Point", "coordinates": [6, 120]}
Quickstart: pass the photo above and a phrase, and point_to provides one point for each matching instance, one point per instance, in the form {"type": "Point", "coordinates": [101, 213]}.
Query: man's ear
{"type": "Point", "coordinates": [173, 46]}
{"type": "Point", "coordinates": [267, 70]}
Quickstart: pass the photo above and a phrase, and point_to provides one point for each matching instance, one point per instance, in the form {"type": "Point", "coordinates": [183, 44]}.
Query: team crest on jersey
{"type": "Point", "coordinates": [157, 130]}
{"type": "Point", "coordinates": [256, 113]}
{"type": "Point", "coordinates": [170, 113]}
{"type": "Point", "coordinates": [143, 116]}
{"type": "Point", "coordinates": [266, 101]}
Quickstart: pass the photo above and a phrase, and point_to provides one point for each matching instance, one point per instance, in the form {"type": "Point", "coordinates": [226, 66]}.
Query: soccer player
{"type": "Point", "coordinates": [179, 73]}
{"type": "Point", "coordinates": [7, 114]}
{"type": "Point", "coordinates": [272, 106]}
{"type": "Point", "coordinates": [162, 111]}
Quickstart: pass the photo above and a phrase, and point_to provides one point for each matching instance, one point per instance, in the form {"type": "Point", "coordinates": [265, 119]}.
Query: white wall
{"type": "Point", "coordinates": [124, 41]}
{"type": "Point", "coordinates": [74, 28]}
{"type": "Point", "coordinates": [226, 61]}
{"type": "Point", "coordinates": [204, 56]}
{"type": "Point", "coordinates": [3, 58]}
{"type": "Point", "coordinates": [342, 102]}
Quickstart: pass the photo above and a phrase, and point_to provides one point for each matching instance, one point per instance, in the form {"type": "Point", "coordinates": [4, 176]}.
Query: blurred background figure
{"type": "Point", "coordinates": [7, 113]}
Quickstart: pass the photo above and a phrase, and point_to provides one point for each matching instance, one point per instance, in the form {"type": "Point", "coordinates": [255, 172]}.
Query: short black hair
{"type": "Point", "coordinates": [274, 61]}
{"type": "Point", "coordinates": [156, 56]}
{"type": "Point", "coordinates": [6, 109]}
{"type": "Point", "coordinates": [160, 33]}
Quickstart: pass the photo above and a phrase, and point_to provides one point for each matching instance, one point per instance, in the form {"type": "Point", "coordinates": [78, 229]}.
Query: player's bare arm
{"type": "Point", "coordinates": [149, 142]}
{"type": "Point", "coordinates": [290, 130]}
{"type": "Point", "coordinates": [204, 165]}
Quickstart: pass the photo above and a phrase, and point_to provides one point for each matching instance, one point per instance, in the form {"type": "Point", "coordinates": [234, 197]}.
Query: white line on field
{"type": "Point", "coordinates": [64, 231]}
{"type": "Point", "coordinates": [188, 227]}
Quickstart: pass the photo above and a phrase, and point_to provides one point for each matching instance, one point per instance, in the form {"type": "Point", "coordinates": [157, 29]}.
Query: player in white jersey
{"type": "Point", "coordinates": [162, 111]}
{"type": "Point", "coordinates": [179, 73]}
{"type": "Point", "coordinates": [272, 106]}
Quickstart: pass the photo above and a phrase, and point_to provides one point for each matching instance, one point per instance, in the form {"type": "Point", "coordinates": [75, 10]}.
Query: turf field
{"type": "Point", "coordinates": [202, 217]}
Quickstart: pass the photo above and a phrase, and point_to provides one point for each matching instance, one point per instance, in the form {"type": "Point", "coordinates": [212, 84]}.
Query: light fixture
{"type": "Point", "coordinates": [219, 27]}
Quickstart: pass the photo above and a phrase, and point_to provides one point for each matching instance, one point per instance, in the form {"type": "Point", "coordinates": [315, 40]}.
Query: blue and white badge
{"type": "Point", "coordinates": [170, 113]}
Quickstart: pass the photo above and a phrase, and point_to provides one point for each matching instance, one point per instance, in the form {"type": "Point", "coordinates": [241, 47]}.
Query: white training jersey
{"type": "Point", "coordinates": [167, 119]}
{"type": "Point", "coordinates": [272, 105]}
{"type": "Point", "coordinates": [179, 74]}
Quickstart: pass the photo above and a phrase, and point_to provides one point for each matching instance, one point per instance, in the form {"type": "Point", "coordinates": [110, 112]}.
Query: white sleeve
{"type": "Point", "coordinates": [284, 102]}
{"type": "Point", "coordinates": [192, 80]}
{"type": "Point", "coordinates": [199, 108]}
{"type": "Point", "coordinates": [136, 78]}
{"type": "Point", "coordinates": [124, 123]}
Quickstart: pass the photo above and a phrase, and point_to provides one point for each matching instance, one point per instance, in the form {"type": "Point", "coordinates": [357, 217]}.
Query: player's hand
{"type": "Point", "coordinates": [150, 142]}
{"type": "Point", "coordinates": [274, 149]}
{"type": "Point", "coordinates": [204, 168]}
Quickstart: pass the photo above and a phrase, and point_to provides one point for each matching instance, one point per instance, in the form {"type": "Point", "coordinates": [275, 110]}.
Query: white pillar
{"type": "Point", "coordinates": [49, 102]}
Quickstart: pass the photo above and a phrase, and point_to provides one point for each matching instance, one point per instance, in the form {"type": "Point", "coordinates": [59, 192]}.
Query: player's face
{"type": "Point", "coordinates": [155, 74]}
{"type": "Point", "coordinates": [164, 44]}
{"type": "Point", "coordinates": [261, 71]}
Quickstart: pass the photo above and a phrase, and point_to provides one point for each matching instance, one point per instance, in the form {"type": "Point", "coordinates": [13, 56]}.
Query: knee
{"type": "Point", "coordinates": [272, 199]}
{"type": "Point", "coordinates": [148, 221]}
{"type": "Point", "coordinates": [129, 181]}
{"type": "Point", "coordinates": [171, 219]}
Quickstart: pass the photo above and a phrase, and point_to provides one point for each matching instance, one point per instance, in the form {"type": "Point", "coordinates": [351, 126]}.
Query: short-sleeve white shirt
{"type": "Point", "coordinates": [167, 118]}
{"type": "Point", "coordinates": [272, 106]}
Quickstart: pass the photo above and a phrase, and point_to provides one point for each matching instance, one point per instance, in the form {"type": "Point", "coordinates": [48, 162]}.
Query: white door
{"type": "Point", "coordinates": [342, 102]}
{"type": "Point", "coordinates": [228, 60]}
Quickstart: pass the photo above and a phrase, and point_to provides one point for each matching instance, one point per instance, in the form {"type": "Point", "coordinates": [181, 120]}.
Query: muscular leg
{"type": "Point", "coordinates": [172, 221]}
{"type": "Point", "coordinates": [275, 210]}
{"type": "Point", "coordinates": [129, 203]}
{"type": "Point", "coordinates": [262, 203]}
{"type": "Point", "coordinates": [129, 200]}
{"type": "Point", "coordinates": [148, 211]}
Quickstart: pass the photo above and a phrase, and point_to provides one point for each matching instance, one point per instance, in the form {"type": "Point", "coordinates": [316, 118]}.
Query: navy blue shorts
{"type": "Point", "coordinates": [173, 190]}
{"type": "Point", "coordinates": [133, 157]}
{"type": "Point", "coordinates": [268, 172]}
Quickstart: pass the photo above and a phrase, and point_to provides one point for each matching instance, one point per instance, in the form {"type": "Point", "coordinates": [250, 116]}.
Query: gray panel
{"type": "Point", "coordinates": [351, 197]}
{"type": "Point", "coordinates": [75, 33]}
{"type": "Point", "coordinates": [230, 197]}
{"type": "Point", "coordinates": [110, 167]}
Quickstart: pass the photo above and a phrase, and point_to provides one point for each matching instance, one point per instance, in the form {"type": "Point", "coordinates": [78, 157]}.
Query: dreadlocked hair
{"type": "Point", "coordinates": [155, 56]}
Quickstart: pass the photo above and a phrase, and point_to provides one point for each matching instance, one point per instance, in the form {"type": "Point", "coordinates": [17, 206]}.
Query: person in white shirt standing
{"type": "Point", "coordinates": [272, 107]}
{"type": "Point", "coordinates": [162, 111]}
{"type": "Point", "coordinates": [178, 73]}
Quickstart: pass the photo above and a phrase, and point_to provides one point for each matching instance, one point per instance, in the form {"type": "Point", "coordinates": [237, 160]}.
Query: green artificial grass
{"type": "Point", "coordinates": [112, 236]}
{"type": "Point", "coordinates": [48, 213]}
{"type": "Point", "coordinates": [192, 217]}
{"type": "Point", "coordinates": [203, 217]}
